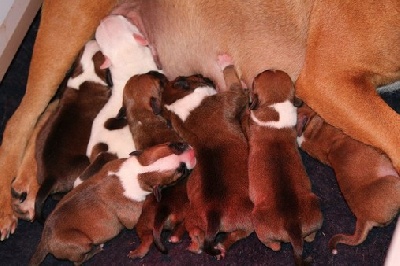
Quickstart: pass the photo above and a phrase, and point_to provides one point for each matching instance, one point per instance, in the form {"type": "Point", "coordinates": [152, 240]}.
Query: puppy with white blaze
{"type": "Point", "coordinates": [99, 208]}
{"type": "Point", "coordinates": [126, 55]}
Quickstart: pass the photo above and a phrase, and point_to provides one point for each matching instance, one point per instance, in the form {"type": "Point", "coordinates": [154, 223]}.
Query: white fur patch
{"type": "Point", "coordinates": [77, 182]}
{"type": "Point", "coordinates": [88, 70]}
{"type": "Point", "coordinates": [128, 58]}
{"type": "Point", "coordinates": [287, 116]}
{"type": "Point", "coordinates": [131, 168]}
{"type": "Point", "coordinates": [184, 106]}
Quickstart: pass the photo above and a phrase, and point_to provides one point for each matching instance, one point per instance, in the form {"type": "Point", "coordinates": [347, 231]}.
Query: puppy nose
{"type": "Point", "coordinates": [178, 147]}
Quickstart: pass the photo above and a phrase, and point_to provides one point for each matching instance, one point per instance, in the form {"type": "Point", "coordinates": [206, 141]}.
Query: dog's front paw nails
{"type": "Point", "coordinates": [221, 248]}
{"type": "Point", "coordinates": [8, 224]}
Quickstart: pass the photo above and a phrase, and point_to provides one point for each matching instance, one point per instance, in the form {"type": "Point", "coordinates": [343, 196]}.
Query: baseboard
{"type": "Point", "coordinates": [13, 29]}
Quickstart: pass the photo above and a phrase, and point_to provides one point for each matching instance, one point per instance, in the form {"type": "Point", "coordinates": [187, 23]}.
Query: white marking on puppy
{"type": "Point", "coordinates": [187, 104]}
{"type": "Point", "coordinates": [287, 116]}
{"type": "Point", "coordinates": [131, 168]}
{"type": "Point", "coordinates": [88, 71]}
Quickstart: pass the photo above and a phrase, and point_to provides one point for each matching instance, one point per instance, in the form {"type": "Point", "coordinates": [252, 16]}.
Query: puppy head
{"type": "Point", "coordinates": [271, 87]}
{"type": "Point", "coordinates": [143, 92]}
{"type": "Point", "coordinates": [163, 165]}
{"type": "Point", "coordinates": [119, 40]}
{"type": "Point", "coordinates": [272, 100]}
{"type": "Point", "coordinates": [87, 67]}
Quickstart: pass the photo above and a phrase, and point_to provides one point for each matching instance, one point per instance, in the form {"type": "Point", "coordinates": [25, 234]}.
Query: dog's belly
{"type": "Point", "coordinates": [190, 43]}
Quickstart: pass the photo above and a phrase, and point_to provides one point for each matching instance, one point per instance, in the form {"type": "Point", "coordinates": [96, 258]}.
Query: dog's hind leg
{"type": "Point", "coordinates": [64, 29]}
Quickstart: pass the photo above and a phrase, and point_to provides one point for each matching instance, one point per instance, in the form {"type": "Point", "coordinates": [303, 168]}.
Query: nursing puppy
{"type": "Point", "coordinates": [367, 179]}
{"type": "Point", "coordinates": [62, 142]}
{"type": "Point", "coordinates": [98, 209]}
{"type": "Point", "coordinates": [285, 209]}
{"type": "Point", "coordinates": [218, 186]}
{"type": "Point", "coordinates": [142, 105]}
{"type": "Point", "coordinates": [126, 55]}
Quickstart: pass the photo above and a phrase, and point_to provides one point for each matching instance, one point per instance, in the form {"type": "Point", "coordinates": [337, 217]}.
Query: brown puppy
{"type": "Point", "coordinates": [98, 209]}
{"type": "Point", "coordinates": [62, 142]}
{"type": "Point", "coordinates": [142, 104]}
{"type": "Point", "coordinates": [337, 68]}
{"type": "Point", "coordinates": [366, 177]}
{"type": "Point", "coordinates": [218, 186]}
{"type": "Point", "coordinates": [285, 209]}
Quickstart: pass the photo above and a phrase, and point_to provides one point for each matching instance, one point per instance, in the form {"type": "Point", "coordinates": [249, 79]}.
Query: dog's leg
{"type": "Point", "coordinates": [63, 31]}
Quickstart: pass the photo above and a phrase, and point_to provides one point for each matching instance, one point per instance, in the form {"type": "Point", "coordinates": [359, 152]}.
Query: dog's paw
{"type": "Point", "coordinates": [23, 198]}
{"type": "Point", "coordinates": [8, 223]}
{"type": "Point", "coordinates": [137, 253]}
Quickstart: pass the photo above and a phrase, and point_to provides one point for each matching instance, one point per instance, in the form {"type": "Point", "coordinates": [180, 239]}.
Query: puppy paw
{"type": "Point", "coordinates": [23, 196]}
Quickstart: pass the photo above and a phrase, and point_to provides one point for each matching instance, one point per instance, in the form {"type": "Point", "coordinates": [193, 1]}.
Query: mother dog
{"type": "Point", "coordinates": [336, 51]}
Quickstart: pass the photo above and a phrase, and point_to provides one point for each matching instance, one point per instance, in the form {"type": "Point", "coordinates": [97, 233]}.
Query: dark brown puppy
{"type": "Point", "coordinates": [366, 177]}
{"type": "Point", "coordinates": [142, 104]}
{"type": "Point", "coordinates": [218, 186]}
{"type": "Point", "coordinates": [285, 209]}
{"type": "Point", "coordinates": [99, 208]}
{"type": "Point", "coordinates": [62, 142]}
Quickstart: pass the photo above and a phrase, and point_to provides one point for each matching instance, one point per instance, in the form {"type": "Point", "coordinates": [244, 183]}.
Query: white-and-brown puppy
{"type": "Point", "coordinates": [61, 144]}
{"type": "Point", "coordinates": [218, 186]}
{"type": "Point", "coordinates": [99, 208]}
{"type": "Point", "coordinates": [367, 179]}
{"type": "Point", "coordinates": [126, 55]}
{"type": "Point", "coordinates": [142, 106]}
{"type": "Point", "coordinates": [285, 209]}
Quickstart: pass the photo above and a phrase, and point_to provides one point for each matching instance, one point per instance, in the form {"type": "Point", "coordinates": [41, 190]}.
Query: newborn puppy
{"type": "Point", "coordinates": [218, 186]}
{"type": "Point", "coordinates": [367, 179]}
{"type": "Point", "coordinates": [285, 209]}
{"type": "Point", "coordinates": [62, 142]}
{"type": "Point", "coordinates": [126, 55]}
{"type": "Point", "coordinates": [98, 209]}
{"type": "Point", "coordinates": [142, 104]}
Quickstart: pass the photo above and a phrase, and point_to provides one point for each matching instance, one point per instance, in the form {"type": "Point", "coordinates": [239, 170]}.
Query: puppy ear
{"type": "Point", "coordinates": [253, 101]}
{"type": "Point", "coordinates": [136, 153]}
{"type": "Point", "coordinates": [106, 63]}
{"type": "Point", "coordinates": [140, 39]}
{"type": "Point", "coordinates": [155, 105]}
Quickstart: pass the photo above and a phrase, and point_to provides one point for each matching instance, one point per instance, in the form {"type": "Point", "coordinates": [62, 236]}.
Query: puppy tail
{"type": "Point", "coordinates": [360, 234]}
{"type": "Point", "coordinates": [296, 239]}
{"type": "Point", "coordinates": [159, 220]}
{"type": "Point", "coordinates": [44, 191]}
{"type": "Point", "coordinates": [39, 255]}
{"type": "Point", "coordinates": [213, 224]}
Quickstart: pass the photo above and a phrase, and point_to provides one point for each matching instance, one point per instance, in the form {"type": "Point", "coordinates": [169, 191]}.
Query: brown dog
{"type": "Point", "coordinates": [25, 186]}
{"type": "Point", "coordinates": [218, 186]}
{"type": "Point", "coordinates": [285, 209]}
{"type": "Point", "coordinates": [62, 142]}
{"type": "Point", "coordinates": [337, 68]}
{"type": "Point", "coordinates": [142, 104]}
{"type": "Point", "coordinates": [366, 177]}
{"type": "Point", "coordinates": [98, 209]}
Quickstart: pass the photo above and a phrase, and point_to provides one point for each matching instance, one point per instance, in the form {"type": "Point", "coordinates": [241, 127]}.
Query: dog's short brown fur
{"type": "Point", "coordinates": [218, 186]}
{"type": "Point", "coordinates": [285, 209]}
{"type": "Point", "coordinates": [98, 209]}
{"type": "Point", "coordinates": [62, 142]}
{"type": "Point", "coordinates": [366, 177]}
{"type": "Point", "coordinates": [25, 186]}
{"type": "Point", "coordinates": [335, 58]}
{"type": "Point", "coordinates": [142, 104]}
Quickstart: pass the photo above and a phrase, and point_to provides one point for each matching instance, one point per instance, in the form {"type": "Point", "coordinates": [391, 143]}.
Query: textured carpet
{"type": "Point", "coordinates": [337, 217]}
